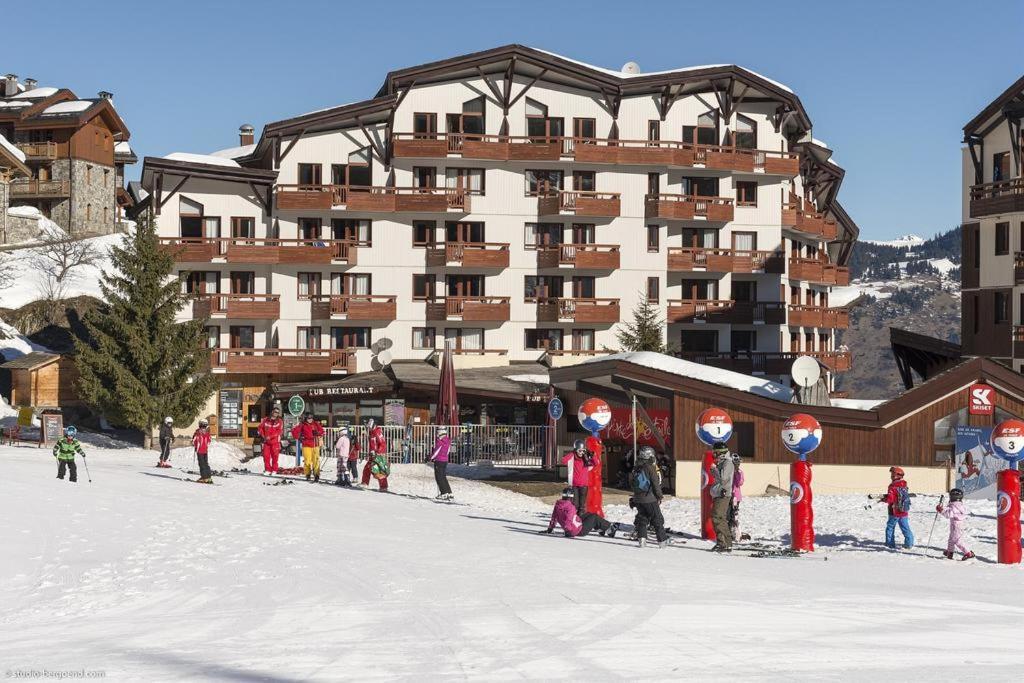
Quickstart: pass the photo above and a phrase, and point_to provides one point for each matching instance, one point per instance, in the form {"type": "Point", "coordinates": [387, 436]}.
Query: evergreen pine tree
{"type": "Point", "coordinates": [644, 333]}
{"type": "Point", "coordinates": [137, 364]}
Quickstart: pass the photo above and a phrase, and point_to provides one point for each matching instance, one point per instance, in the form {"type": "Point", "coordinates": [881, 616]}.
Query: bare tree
{"type": "Point", "coordinates": [59, 258]}
{"type": "Point", "coordinates": [7, 270]}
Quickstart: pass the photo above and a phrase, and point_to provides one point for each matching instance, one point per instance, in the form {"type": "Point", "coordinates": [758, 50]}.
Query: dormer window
{"type": "Point", "coordinates": [470, 121]}
{"type": "Point", "coordinates": [705, 132]}
{"type": "Point", "coordinates": [745, 136]}
{"type": "Point", "coordinates": [539, 126]}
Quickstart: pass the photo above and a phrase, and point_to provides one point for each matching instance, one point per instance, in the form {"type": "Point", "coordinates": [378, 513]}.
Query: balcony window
{"type": "Point", "coordinates": [242, 282]}
{"type": "Point", "coordinates": [1000, 166]}
{"type": "Point", "coordinates": [307, 338]}
{"type": "Point", "coordinates": [584, 286]}
{"type": "Point", "coordinates": [744, 290]}
{"type": "Point", "coordinates": [1002, 308]}
{"type": "Point", "coordinates": [424, 177]}
{"type": "Point", "coordinates": [470, 121]}
{"type": "Point", "coordinates": [583, 340]}
{"type": "Point", "coordinates": [464, 338]}
{"type": "Point", "coordinates": [653, 183]}
{"type": "Point", "coordinates": [350, 337]}
{"type": "Point", "coordinates": [243, 227]}
{"type": "Point", "coordinates": [201, 282]}
{"type": "Point", "coordinates": [423, 338]}
{"type": "Point", "coordinates": [705, 132]}
{"type": "Point", "coordinates": [584, 129]}
{"type": "Point", "coordinates": [348, 284]}
{"type": "Point", "coordinates": [583, 233]}
{"type": "Point", "coordinates": [745, 136]}
{"type": "Point", "coordinates": [654, 130]}
{"type": "Point", "coordinates": [542, 234]}
{"type": "Point", "coordinates": [653, 290]}
{"type": "Point", "coordinates": [539, 126]}
{"type": "Point", "coordinates": [584, 181]}
{"type": "Point", "coordinates": [546, 339]}
{"type": "Point", "coordinates": [358, 172]}
{"type": "Point", "coordinates": [542, 286]}
{"type": "Point", "coordinates": [701, 187]}
{"type": "Point", "coordinates": [698, 341]}
{"type": "Point", "coordinates": [190, 218]}
{"type": "Point", "coordinates": [309, 285]}
{"type": "Point", "coordinates": [424, 233]}
{"type": "Point", "coordinates": [744, 241]}
{"type": "Point", "coordinates": [464, 231]}
{"type": "Point", "coordinates": [794, 342]}
{"type": "Point", "coordinates": [465, 285]}
{"type": "Point", "coordinates": [212, 336]}
{"type": "Point", "coordinates": [310, 174]}
{"type": "Point", "coordinates": [470, 180]}
{"type": "Point", "coordinates": [309, 228]}
{"type": "Point", "coordinates": [742, 340]}
{"type": "Point", "coordinates": [653, 239]}
{"type": "Point", "coordinates": [746, 193]}
{"type": "Point", "coordinates": [700, 289]}
{"type": "Point", "coordinates": [809, 342]}
{"type": "Point", "coordinates": [242, 336]}
{"type": "Point", "coordinates": [358, 230]}
{"type": "Point", "coordinates": [1002, 239]}
{"type": "Point", "coordinates": [424, 125]}
{"type": "Point", "coordinates": [543, 181]}
{"type": "Point", "coordinates": [424, 287]}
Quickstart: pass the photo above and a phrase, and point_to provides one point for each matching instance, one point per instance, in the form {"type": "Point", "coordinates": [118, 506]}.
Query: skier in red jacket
{"type": "Point", "coordinates": [201, 442]}
{"type": "Point", "coordinates": [376, 444]}
{"type": "Point", "coordinates": [270, 430]}
{"type": "Point", "coordinates": [307, 435]}
{"type": "Point", "coordinates": [897, 497]}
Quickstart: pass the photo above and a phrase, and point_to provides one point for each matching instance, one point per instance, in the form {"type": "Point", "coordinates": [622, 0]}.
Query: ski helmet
{"type": "Point", "coordinates": [307, 416]}
{"type": "Point", "coordinates": [442, 431]}
{"type": "Point", "coordinates": [71, 431]}
{"type": "Point", "coordinates": [720, 449]}
{"type": "Point", "coordinates": [579, 445]}
{"type": "Point", "coordinates": [646, 453]}
{"type": "Point", "coordinates": [956, 495]}
{"type": "Point", "coordinates": [276, 410]}
{"type": "Point", "coordinates": [169, 420]}
{"type": "Point", "coordinates": [343, 431]}
{"type": "Point", "coordinates": [896, 471]}
{"type": "Point", "coordinates": [204, 423]}
{"type": "Point", "coordinates": [567, 492]}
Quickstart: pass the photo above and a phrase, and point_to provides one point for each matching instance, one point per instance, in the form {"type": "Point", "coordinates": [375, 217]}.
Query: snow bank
{"type": "Point", "coordinates": [15, 345]}
{"type": "Point", "coordinates": [202, 159]}
{"type": "Point", "coordinates": [698, 371]}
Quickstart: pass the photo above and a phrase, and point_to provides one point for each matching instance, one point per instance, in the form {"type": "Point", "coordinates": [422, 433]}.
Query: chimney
{"type": "Point", "coordinates": [31, 83]}
{"type": "Point", "coordinates": [10, 85]}
{"type": "Point", "coordinates": [246, 134]}
{"type": "Point", "coordinates": [108, 96]}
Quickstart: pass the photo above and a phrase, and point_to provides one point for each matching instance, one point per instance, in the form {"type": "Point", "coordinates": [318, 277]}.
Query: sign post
{"type": "Point", "coordinates": [1008, 443]}
{"type": "Point", "coordinates": [801, 434]}
{"type": "Point", "coordinates": [296, 405]}
{"type": "Point", "coordinates": [713, 425]}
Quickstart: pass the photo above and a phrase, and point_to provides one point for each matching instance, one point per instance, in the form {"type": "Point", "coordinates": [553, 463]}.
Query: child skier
{"type": "Point", "coordinates": [737, 496]}
{"type": "Point", "coordinates": [270, 430]}
{"type": "Point", "coordinates": [166, 439]}
{"type": "Point", "coordinates": [342, 448]}
{"type": "Point", "coordinates": [898, 500]}
{"type": "Point", "coordinates": [566, 516]}
{"type": "Point", "coordinates": [353, 458]}
{"type": "Point", "coordinates": [645, 481]}
{"type": "Point", "coordinates": [439, 456]}
{"type": "Point", "coordinates": [580, 462]}
{"type": "Point", "coordinates": [201, 443]}
{"type": "Point", "coordinates": [377, 461]}
{"type": "Point", "coordinates": [955, 512]}
{"type": "Point", "coordinates": [307, 434]}
{"type": "Point", "coordinates": [64, 450]}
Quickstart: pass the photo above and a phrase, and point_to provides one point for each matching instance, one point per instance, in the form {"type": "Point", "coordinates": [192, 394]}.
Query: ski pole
{"type": "Point", "coordinates": [85, 462]}
{"type": "Point", "coordinates": [934, 521]}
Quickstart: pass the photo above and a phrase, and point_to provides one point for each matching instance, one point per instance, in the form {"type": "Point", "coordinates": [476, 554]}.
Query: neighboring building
{"type": "Point", "coordinates": [518, 205]}
{"type": "Point", "coordinates": [76, 150]}
{"type": "Point", "coordinates": [12, 167]}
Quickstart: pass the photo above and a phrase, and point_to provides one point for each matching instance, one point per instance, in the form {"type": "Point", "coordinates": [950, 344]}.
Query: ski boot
{"type": "Point", "coordinates": [316, 478]}
{"type": "Point", "coordinates": [948, 554]}
{"type": "Point", "coordinates": [666, 543]}
{"type": "Point", "coordinates": [969, 555]}
{"type": "Point", "coordinates": [642, 542]}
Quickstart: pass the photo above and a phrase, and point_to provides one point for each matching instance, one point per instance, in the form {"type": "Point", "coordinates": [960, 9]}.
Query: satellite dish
{"type": "Point", "coordinates": [630, 68]}
{"type": "Point", "coordinates": [805, 371]}
{"type": "Point", "coordinates": [384, 358]}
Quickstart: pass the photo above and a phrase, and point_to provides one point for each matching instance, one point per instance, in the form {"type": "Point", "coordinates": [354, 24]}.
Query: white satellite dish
{"type": "Point", "coordinates": [630, 68]}
{"type": "Point", "coordinates": [384, 358]}
{"type": "Point", "coordinates": [805, 371]}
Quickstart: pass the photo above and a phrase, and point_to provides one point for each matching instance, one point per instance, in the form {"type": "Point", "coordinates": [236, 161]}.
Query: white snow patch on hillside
{"type": "Point", "coordinates": [13, 344]}
{"type": "Point", "coordinates": [903, 242]}
{"type": "Point", "coordinates": [147, 577]}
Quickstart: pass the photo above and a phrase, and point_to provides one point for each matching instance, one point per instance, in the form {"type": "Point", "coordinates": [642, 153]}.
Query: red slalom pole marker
{"type": "Point", "coordinates": [713, 425]}
{"type": "Point", "coordinates": [707, 529]}
{"type": "Point", "coordinates": [1007, 442]}
{"type": "Point", "coordinates": [801, 434]}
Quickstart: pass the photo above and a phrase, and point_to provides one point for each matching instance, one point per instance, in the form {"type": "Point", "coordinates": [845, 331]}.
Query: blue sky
{"type": "Point", "coordinates": [888, 85]}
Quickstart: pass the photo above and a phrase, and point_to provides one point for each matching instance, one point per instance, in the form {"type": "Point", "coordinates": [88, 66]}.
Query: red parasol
{"type": "Point", "coordinates": [447, 399]}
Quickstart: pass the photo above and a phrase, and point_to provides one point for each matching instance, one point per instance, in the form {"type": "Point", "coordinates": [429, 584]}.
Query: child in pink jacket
{"type": "Point", "coordinates": [956, 513]}
{"type": "Point", "coordinates": [737, 496]}
{"type": "Point", "coordinates": [565, 516]}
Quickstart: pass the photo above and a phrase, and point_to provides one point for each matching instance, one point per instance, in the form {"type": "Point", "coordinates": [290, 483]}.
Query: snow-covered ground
{"type": "Point", "coordinates": [147, 577]}
{"type": "Point", "coordinates": [904, 241]}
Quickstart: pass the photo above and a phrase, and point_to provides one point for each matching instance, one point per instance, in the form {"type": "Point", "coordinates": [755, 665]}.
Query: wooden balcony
{"type": "Point", "coordinates": [800, 216]}
{"type": "Point", "coordinates": [354, 307]}
{"type": "Point", "coordinates": [801, 315]}
{"type": "Point", "coordinates": [40, 189]}
{"type": "Point", "coordinates": [767, 362]}
{"type": "Point", "coordinates": [237, 306]}
{"type": "Point", "coordinates": [469, 254]}
{"type": "Point", "coordinates": [836, 275]}
{"type": "Point", "coordinates": [263, 250]}
{"type": "Point", "coordinates": [990, 199]}
{"type": "Point", "coordinates": [290, 361]}
{"type": "Point", "coordinates": [819, 271]}
{"type": "Point", "coordinates": [470, 308]}
{"type": "Point", "coordinates": [700, 259]}
{"type": "Point", "coordinates": [190, 249]}
{"type": "Point", "coordinates": [688, 207]}
{"type": "Point", "coordinates": [580, 203]}
{"type": "Point", "coordinates": [579, 310]}
{"type": "Point", "coordinates": [473, 146]}
{"type": "Point", "coordinates": [39, 151]}
{"type": "Point", "coordinates": [583, 256]}
{"type": "Point", "coordinates": [372, 199]}
{"type": "Point", "coordinates": [699, 310]}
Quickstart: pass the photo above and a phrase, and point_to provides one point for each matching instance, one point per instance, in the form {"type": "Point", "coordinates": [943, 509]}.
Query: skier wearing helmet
{"type": "Point", "coordinates": [64, 450]}
{"type": "Point", "coordinates": [342, 448]}
{"type": "Point", "coordinates": [439, 456]}
{"type": "Point", "coordinates": [579, 462]}
{"type": "Point", "coordinates": [270, 430]}
{"type": "Point", "coordinates": [573, 524]}
{"type": "Point", "coordinates": [201, 442]}
{"type": "Point", "coordinates": [724, 474]}
{"type": "Point", "coordinates": [645, 481]}
{"type": "Point", "coordinates": [166, 439]}
{"type": "Point", "coordinates": [898, 499]}
{"type": "Point", "coordinates": [956, 513]}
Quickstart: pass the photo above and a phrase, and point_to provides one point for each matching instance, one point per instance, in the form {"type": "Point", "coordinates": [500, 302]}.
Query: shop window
{"type": "Point", "coordinates": [423, 338]}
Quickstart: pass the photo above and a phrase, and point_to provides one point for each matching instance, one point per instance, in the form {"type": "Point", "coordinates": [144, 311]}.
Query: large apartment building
{"type": "Point", "coordinates": [517, 204]}
{"type": "Point", "coordinates": [992, 271]}
{"type": "Point", "coordinates": [76, 150]}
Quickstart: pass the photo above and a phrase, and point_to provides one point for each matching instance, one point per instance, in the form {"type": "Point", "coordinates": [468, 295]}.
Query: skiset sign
{"type": "Point", "coordinates": [982, 400]}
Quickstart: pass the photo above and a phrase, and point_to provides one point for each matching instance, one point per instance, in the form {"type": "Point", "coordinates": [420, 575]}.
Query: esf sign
{"type": "Point", "coordinates": [981, 400]}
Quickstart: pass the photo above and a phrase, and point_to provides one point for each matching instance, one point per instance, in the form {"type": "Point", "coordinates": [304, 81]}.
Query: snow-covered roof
{"type": "Point", "coordinates": [703, 373]}
{"type": "Point", "coordinates": [202, 159]}
{"type": "Point", "coordinates": [123, 148]}
{"type": "Point", "coordinates": [15, 345]}
{"type": "Point", "coordinates": [14, 104]}
{"type": "Point", "coordinates": [857, 403]}
{"type": "Point", "coordinates": [24, 212]}
{"type": "Point", "coordinates": [234, 152]}
{"type": "Point", "coordinates": [36, 93]}
{"type": "Point", "coordinates": [70, 107]}
{"type": "Point", "coordinates": [14, 151]}
{"type": "Point", "coordinates": [528, 379]}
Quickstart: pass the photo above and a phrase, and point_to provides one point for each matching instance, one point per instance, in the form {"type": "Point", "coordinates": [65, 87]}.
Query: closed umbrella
{"type": "Point", "coordinates": [447, 399]}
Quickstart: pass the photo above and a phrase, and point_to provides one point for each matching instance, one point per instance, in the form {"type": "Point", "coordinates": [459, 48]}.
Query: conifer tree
{"type": "Point", "coordinates": [644, 333]}
{"type": "Point", "coordinates": [137, 364]}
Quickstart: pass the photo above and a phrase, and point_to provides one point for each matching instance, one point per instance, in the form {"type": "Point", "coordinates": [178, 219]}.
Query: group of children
{"type": "Point", "coordinates": [897, 499]}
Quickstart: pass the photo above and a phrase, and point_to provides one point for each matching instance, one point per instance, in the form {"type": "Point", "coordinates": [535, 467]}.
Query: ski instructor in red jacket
{"type": "Point", "coordinates": [270, 430]}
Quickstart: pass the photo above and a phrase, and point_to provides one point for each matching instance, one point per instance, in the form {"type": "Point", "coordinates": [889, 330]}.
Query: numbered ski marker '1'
{"type": "Point", "coordinates": [714, 425]}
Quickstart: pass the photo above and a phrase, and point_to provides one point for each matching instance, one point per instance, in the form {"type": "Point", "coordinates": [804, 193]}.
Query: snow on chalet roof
{"type": "Point", "coordinates": [857, 403]}
{"type": "Point", "coordinates": [14, 104]}
{"type": "Point", "coordinates": [703, 373]}
{"type": "Point", "coordinates": [123, 148]}
{"type": "Point", "coordinates": [529, 379]}
{"type": "Point", "coordinates": [202, 159]}
{"type": "Point", "coordinates": [620, 74]}
{"type": "Point", "coordinates": [35, 93]}
{"type": "Point", "coordinates": [234, 152]}
{"type": "Point", "coordinates": [14, 151]}
{"type": "Point", "coordinates": [71, 107]}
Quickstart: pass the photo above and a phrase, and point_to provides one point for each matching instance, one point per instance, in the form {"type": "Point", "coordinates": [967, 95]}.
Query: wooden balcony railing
{"type": "Point", "coordinates": [298, 361]}
{"type": "Point", "coordinates": [262, 250]}
{"type": "Point", "coordinates": [713, 260]}
{"type": "Point", "coordinates": [479, 352]}
{"type": "Point", "coordinates": [40, 188]}
{"type": "Point", "coordinates": [578, 352]}
{"type": "Point", "coordinates": [594, 150]}
{"type": "Point", "coordinates": [576, 309]}
{"type": "Point", "coordinates": [39, 150]}
{"type": "Point", "coordinates": [802, 315]}
{"type": "Point", "coordinates": [354, 307]}
{"type": "Point", "coordinates": [470, 308]}
{"type": "Point", "coordinates": [592, 256]}
{"type": "Point", "coordinates": [818, 270]}
{"type": "Point", "coordinates": [238, 306]}
{"type": "Point", "coordinates": [469, 254]}
{"type": "Point", "coordinates": [727, 311]}
{"type": "Point", "coordinates": [800, 215]}
{"type": "Point", "coordinates": [688, 207]}
{"type": "Point", "coordinates": [1003, 196]}
{"type": "Point", "coordinates": [372, 199]}
{"type": "Point", "coordinates": [767, 362]}
{"type": "Point", "coordinates": [580, 203]}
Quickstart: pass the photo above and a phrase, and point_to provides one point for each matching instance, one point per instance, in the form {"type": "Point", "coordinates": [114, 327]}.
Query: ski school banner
{"type": "Point", "coordinates": [976, 465]}
{"type": "Point", "coordinates": [621, 427]}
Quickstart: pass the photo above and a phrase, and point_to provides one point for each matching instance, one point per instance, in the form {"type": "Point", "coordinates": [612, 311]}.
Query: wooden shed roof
{"type": "Point", "coordinates": [31, 361]}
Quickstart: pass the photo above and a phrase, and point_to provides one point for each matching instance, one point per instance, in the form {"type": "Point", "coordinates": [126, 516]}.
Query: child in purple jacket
{"type": "Point", "coordinates": [737, 497]}
{"type": "Point", "coordinates": [565, 516]}
{"type": "Point", "coordinates": [956, 513]}
{"type": "Point", "coordinates": [439, 457]}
